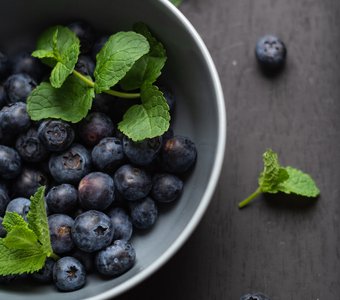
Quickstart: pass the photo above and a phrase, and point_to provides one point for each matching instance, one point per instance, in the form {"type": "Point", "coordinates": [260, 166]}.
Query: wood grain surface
{"type": "Point", "coordinates": [286, 247]}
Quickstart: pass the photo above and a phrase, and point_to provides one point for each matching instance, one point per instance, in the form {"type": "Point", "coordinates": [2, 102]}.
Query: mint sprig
{"type": "Point", "coordinates": [130, 60]}
{"type": "Point", "coordinates": [274, 178]}
{"type": "Point", "coordinates": [27, 244]}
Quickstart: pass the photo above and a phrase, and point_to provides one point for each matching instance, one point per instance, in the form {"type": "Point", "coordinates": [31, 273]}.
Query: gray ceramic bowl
{"type": "Point", "coordinates": [200, 114]}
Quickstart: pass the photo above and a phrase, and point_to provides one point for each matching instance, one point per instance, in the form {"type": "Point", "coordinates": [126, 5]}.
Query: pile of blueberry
{"type": "Point", "coordinates": [101, 186]}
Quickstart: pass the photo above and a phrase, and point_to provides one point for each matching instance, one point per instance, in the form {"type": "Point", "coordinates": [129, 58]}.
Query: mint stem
{"type": "Point", "coordinates": [250, 198]}
{"type": "Point", "coordinates": [90, 83]}
{"type": "Point", "coordinates": [54, 256]}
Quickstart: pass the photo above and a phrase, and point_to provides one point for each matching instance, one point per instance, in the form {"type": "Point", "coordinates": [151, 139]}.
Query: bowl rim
{"type": "Point", "coordinates": [215, 174]}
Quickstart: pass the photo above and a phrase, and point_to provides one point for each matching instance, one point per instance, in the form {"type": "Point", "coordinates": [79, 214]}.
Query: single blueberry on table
{"type": "Point", "coordinates": [85, 65]}
{"type": "Point", "coordinates": [62, 199]}
{"type": "Point", "coordinates": [69, 274]}
{"type": "Point", "coordinates": [96, 191]}
{"type": "Point", "coordinates": [166, 187]}
{"type": "Point", "coordinates": [30, 147]}
{"type": "Point", "coordinates": [94, 128]}
{"type": "Point", "coordinates": [70, 166]}
{"type": "Point", "coordinates": [92, 231]}
{"type": "Point", "coordinates": [142, 153]}
{"type": "Point", "coordinates": [60, 226]}
{"type": "Point", "coordinates": [56, 135]}
{"type": "Point", "coordinates": [20, 206]}
{"type": "Point", "coordinates": [144, 213]}
{"type": "Point", "coordinates": [254, 296]}
{"type": "Point", "coordinates": [108, 155]}
{"type": "Point", "coordinates": [271, 53]}
{"type": "Point", "coordinates": [4, 198]}
{"type": "Point", "coordinates": [121, 223]}
{"type": "Point", "coordinates": [28, 182]}
{"type": "Point", "coordinates": [178, 154]}
{"type": "Point", "coordinates": [115, 259]}
{"type": "Point", "coordinates": [18, 87]}
{"type": "Point", "coordinates": [45, 275]}
{"type": "Point", "coordinates": [85, 33]}
{"type": "Point", "coordinates": [10, 163]}
{"type": "Point", "coordinates": [132, 183]}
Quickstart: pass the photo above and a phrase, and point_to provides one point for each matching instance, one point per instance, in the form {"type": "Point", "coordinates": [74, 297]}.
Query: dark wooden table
{"type": "Point", "coordinates": [286, 247]}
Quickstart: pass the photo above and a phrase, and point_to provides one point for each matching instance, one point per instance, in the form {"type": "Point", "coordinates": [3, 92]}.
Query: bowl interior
{"type": "Point", "coordinates": [197, 116]}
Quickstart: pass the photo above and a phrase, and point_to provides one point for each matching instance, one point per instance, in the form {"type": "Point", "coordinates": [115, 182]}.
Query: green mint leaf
{"type": "Point", "coordinates": [62, 45]}
{"type": "Point", "coordinates": [176, 2]}
{"type": "Point", "coordinates": [299, 183]}
{"type": "Point", "coordinates": [20, 261]}
{"type": "Point", "coordinates": [148, 68]}
{"type": "Point", "coordinates": [21, 238]}
{"type": "Point", "coordinates": [70, 103]}
{"type": "Point", "coordinates": [117, 57]}
{"type": "Point", "coordinates": [12, 219]}
{"type": "Point", "coordinates": [273, 173]}
{"type": "Point", "coordinates": [149, 119]}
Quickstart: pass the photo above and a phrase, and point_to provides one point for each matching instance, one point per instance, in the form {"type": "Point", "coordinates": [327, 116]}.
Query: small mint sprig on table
{"type": "Point", "coordinates": [27, 244]}
{"type": "Point", "coordinates": [274, 178]}
{"type": "Point", "coordinates": [132, 59]}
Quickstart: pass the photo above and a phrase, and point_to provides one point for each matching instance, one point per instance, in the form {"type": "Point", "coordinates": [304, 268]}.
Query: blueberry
{"type": "Point", "coordinates": [18, 87]}
{"type": "Point", "coordinates": [142, 153]}
{"type": "Point", "coordinates": [5, 65]}
{"type": "Point", "coordinates": [85, 65]}
{"type": "Point", "coordinates": [121, 223]}
{"type": "Point", "coordinates": [103, 103]}
{"type": "Point", "coordinates": [20, 206]}
{"type": "Point", "coordinates": [62, 199]}
{"type": "Point", "coordinates": [92, 231]}
{"type": "Point", "coordinates": [3, 232]}
{"type": "Point", "coordinates": [96, 191]}
{"type": "Point", "coordinates": [45, 275]}
{"type": "Point", "coordinates": [85, 33]}
{"type": "Point", "coordinates": [24, 62]}
{"type": "Point", "coordinates": [70, 166]}
{"type": "Point", "coordinates": [94, 128]}
{"type": "Point", "coordinates": [10, 163]}
{"type": "Point", "coordinates": [270, 53]}
{"type": "Point", "coordinates": [133, 183]}
{"type": "Point", "coordinates": [60, 232]}
{"type": "Point", "coordinates": [166, 187]}
{"type": "Point", "coordinates": [27, 183]}
{"type": "Point", "coordinates": [30, 146]}
{"type": "Point", "coordinates": [56, 135]}
{"type": "Point", "coordinates": [178, 154]}
{"type": "Point", "coordinates": [108, 155]}
{"type": "Point", "coordinates": [4, 198]}
{"type": "Point", "coordinates": [14, 120]}
{"type": "Point", "coordinates": [144, 213]}
{"type": "Point", "coordinates": [254, 296]}
{"type": "Point", "coordinates": [3, 97]}
{"type": "Point", "coordinates": [98, 45]}
{"type": "Point", "coordinates": [85, 258]}
{"type": "Point", "coordinates": [115, 259]}
{"type": "Point", "coordinates": [69, 274]}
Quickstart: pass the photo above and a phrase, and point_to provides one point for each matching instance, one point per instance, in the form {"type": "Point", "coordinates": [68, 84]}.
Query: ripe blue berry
{"type": "Point", "coordinates": [18, 87]}
{"type": "Point", "coordinates": [92, 231]}
{"type": "Point", "coordinates": [4, 199]}
{"type": "Point", "coordinates": [121, 223]}
{"type": "Point", "coordinates": [270, 52]}
{"type": "Point", "coordinates": [133, 183]}
{"type": "Point", "coordinates": [62, 199]}
{"type": "Point", "coordinates": [56, 135]}
{"type": "Point", "coordinates": [85, 65]}
{"type": "Point", "coordinates": [85, 258]}
{"type": "Point", "coordinates": [60, 233]}
{"type": "Point", "coordinates": [144, 213]}
{"type": "Point", "coordinates": [254, 296]}
{"type": "Point", "coordinates": [166, 187]}
{"type": "Point", "coordinates": [115, 259]}
{"type": "Point", "coordinates": [3, 97]}
{"type": "Point", "coordinates": [69, 274]}
{"type": "Point", "coordinates": [70, 166]}
{"type": "Point", "coordinates": [20, 206]}
{"type": "Point", "coordinates": [45, 275]}
{"type": "Point", "coordinates": [10, 163]}
{"type": "Point", "coordinates": [96, 191]}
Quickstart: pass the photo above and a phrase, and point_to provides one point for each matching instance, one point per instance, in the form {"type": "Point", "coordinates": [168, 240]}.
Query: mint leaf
{"type": "Point", "coordinates": [12, 219]}
{"type": "Point", "coordinates": [149, 119]}
{"type": "Point", "coordinates": [21, 238]}
{"type": "Point", "coordinates": [61, 45]}
{"type": "Point", "coordinates": [20, 261]}
{"type": "Point", "coordinates": [71, 102]}
{"type": "Point", "coordinates": [275, 178]}
{"type": "Point", "coordinates": [299, 183]}
{"type": "Point", "coordinates": [148, 68]}
{"type": "Point", "coordinates": [117, 57]}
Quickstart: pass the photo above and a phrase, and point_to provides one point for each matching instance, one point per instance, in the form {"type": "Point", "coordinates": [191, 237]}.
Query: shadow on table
{"type": "Point", "coordinates": [289, 201]}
